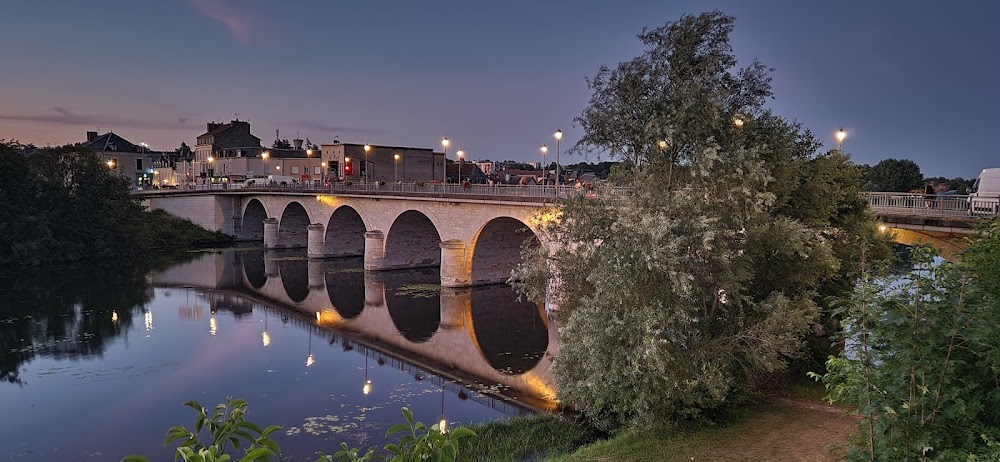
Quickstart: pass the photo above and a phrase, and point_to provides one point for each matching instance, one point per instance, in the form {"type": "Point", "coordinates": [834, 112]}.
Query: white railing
{"type": "Point", "coordinates": [477, 191]}
{"type": "Point", "coordinates": [944, 205]}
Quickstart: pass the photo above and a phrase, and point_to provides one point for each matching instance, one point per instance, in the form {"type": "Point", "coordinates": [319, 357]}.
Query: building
{"type": "Point", "coordinates": [351, 162]}
{"type": "Point", "coordinates": [218, 140]}
{"type": "Point", "coordinates": [133, 161]}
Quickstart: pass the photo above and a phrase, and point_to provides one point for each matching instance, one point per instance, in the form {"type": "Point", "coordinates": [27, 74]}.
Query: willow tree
{"type": "Point", "coordinates": [697, 289]}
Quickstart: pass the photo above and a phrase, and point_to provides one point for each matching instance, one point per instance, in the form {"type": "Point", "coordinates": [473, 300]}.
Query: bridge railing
{"type": "Point", "coordinates": [484, 191]}
{"type": "Point", "coordinates": [931, 205]}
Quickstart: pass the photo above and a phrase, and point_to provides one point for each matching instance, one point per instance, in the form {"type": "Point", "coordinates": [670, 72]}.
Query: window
{"type": "Point", "coordinates": [317, 171]}
{"type": "Point", "coordinates": [138, 164]}
{"type": "Point", "coordinates": [295, 169]}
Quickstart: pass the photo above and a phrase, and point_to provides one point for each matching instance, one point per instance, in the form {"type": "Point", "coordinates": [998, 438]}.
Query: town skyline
{"type": "Point", "coordinates": [497, 80]}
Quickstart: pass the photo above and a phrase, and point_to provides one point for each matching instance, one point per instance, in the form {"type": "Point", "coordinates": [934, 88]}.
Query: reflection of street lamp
{"type": "Point", "coordinates": [558, 136]}
{"type": "Point", "coordinates": [367, 387]}
{"type": "Point", "coordinates": [841, 135]}
{"type": "Point", "coordinates": [461, 160]}
{"type": "Point", "coordinates": [443, 424]}
{"type": "Point", "coordinates": [264, 337]}
{"type": "Point", "coordinates": [545, 168]}
{"type": "Point", "coordinates": [444, 167]}
{"type": "Point", "coordinates": [395, 167]}
{"type": "Point", "coordinates": [310, 359]}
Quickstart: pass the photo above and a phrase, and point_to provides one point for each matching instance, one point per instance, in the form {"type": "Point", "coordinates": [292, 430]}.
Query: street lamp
{"type": "Point", "coordinates": [309, 152]}
{"type": "Point", "coordinates": [211, 169]}
{"type": "Point", "coordinates": [395, 167]}
{"type": "Point", "coordinates": [545, 167]}
{"type": "Point", "coordinates": [322, 172]}
{"type": "Point", "coordinates": [367, 149]}
{"type": "Point", "coordinates": [558, 136]}
{"type": "Point", "coordinates": [461, 159]}
{"type": "Point", "coordinates": [347, 166]}
{"type": "Point", "coordinates": [841, 135]}
{"type": "Point", "coordinates": [444, 166]}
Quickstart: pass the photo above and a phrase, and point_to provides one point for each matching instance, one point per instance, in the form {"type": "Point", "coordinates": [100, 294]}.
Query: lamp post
{"type": "Point", "coordinates": [461, 160]}
{"type": "Point", "coordinates": [545, 168]}
{"type": "Point", "coordinates": [368, 148]}
{"type": "Point", "coordinates": [211, 170]}
{"type": "Point", "coordinates": [322, 173]}
{"type": "Point", "coordinates": [841, 135]}
{"type": "Point", "coordinates": [444, 165]}
{"type": "Point", "coordinates": [558, 136]}
{"type": "Point", "coordinates": [395, 167]}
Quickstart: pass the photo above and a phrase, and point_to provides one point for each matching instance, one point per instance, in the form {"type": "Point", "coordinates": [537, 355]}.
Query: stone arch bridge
{"type": "Point", "coordinates": [474, 240]}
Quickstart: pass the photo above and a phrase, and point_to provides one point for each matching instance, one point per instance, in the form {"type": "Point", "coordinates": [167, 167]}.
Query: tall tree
{"type": "Point", "coordinates": [281, 144]}
{"type": "Point", "coordinates": [691, 293]}
{"type": "Point", "coordinates": [894, 175]}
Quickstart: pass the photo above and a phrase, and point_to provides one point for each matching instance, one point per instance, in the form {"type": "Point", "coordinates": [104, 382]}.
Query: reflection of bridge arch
{"type": "Point", "coordinates": [413, 241]}
{"type": "Point", "coordinates": [252, 224]}
{"type": "Point", "coordinates": [345, 286]}
{"type": "Point", "coordinates": [294, 272]}
{"type": "Point", "coordinates": [417, 318]}
{"type": "Point", "coordinates": [496, 249]}
{"type": "Point", "coordinates": [345, 233]}
{"type": "Point", "coordinates": [511, 335]}
{"type": "Point", "coordinates": [293, 228]}
{"type": "Point", "coordinates": [253, 268]}
{"type": "Point", "coordinates": [949, 249]}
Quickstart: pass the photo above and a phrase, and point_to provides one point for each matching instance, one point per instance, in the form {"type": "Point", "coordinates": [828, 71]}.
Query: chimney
{"type": "Point", "coordinates": [91, 136]}
{"type": "Point", "coordinates": [297, 144]}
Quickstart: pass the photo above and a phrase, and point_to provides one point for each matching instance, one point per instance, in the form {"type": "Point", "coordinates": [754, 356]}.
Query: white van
{"type": "Point", "coordinates": [985, 196]}
{"type": "Point", "coordinates": [254, 183]}
{"type": "Point", "coordinates": [281, 180]}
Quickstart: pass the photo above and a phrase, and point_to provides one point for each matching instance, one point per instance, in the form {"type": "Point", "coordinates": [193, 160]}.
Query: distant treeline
{"type": "Point", "coordinates": [63, 204]}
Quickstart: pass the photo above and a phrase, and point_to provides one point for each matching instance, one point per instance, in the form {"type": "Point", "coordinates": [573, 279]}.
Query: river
{"type": "Point", "coordinates": [96, 361]}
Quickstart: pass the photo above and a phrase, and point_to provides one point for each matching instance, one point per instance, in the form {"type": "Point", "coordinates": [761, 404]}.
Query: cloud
{"type": "Point", "coordinates": [64, 116]}
{"type": "Point", "coordinates": [334, 129]}
{"type": "Point", "coordinates": [236, 20]}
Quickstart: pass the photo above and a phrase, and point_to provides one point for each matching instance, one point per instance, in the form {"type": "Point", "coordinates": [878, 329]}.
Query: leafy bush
{"type": "Point", "coordinates": [418, 443]}
{"type": "Point", "coordinates": [226, 426]}
{"type": "Point", "coordinates": [922, 359]}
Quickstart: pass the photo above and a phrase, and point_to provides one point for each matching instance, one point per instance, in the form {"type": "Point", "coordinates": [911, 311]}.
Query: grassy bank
{"type": "Point", "coordinates": [781, 429]}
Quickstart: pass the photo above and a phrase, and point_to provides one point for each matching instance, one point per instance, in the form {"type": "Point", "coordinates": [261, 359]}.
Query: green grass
{"type": "Point", "coordinates": [524, 439]}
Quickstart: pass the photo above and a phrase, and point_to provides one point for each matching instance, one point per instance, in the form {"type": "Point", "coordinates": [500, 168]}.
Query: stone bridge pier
{"type": "Point", "coordinates": [473, 242]}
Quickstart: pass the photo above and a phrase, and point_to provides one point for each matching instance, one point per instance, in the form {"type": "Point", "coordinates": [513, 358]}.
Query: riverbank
{"type": "Point", "coordinates": [785, 429]}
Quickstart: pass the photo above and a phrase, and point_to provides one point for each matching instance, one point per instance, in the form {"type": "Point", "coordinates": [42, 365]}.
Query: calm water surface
{"type": "Point", "coordinates": [94, 364]}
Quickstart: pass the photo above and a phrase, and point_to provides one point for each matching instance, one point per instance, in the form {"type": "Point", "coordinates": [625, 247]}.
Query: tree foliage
{"type": "Point", "coordinates": [63, 204]}
{"type": "Point", "coordinates": [693, 292]}
{"type": "Point", "coordinates": [281, 144]}
{"type": "Point", "coordinates": [922, 362]}
{"type": "Point", "coordinates": [894, 175]}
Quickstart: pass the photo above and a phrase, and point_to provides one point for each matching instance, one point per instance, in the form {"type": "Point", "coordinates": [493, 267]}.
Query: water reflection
{"type": "Point", "coordinates": [318, 347]}
{"type": "Point", "coordinates": [65, 314]}
{"type": "Point", "coordinates": [521, 343]}
{"type": "Point", "coordinates": [413, 299]}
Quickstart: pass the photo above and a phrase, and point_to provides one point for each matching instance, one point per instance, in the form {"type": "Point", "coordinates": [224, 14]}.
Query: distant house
{"type": "Point", "coordinates": [219, 140]}
{"type": "Point", "coordinates": [469, 172]}
{"type": "Point", "coordinates": [133, 161]}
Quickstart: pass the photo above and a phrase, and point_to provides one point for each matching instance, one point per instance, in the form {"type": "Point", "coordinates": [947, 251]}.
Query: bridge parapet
{"type": "Point", "coordinates": [945, 205]}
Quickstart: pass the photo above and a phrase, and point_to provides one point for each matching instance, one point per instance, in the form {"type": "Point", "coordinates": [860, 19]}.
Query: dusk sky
{"type": "Point", "coordinates": [914, 79]}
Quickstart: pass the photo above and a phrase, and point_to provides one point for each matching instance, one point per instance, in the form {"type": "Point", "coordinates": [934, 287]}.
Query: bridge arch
{"type": "Point", "coordinates": [948, 249]}
{"type": "Point", "coordinates": [345, 233]}
{"type": "Point", "coordinates": [414, 310]}
{"type": "Point", "coordinates": [496, 249]}
{"type": "Point", "coordinates": [413, 241]}
{"type": "Point", "coordinates": [293, 228]}
{"type": "Point", "coordinates": [252, 223]}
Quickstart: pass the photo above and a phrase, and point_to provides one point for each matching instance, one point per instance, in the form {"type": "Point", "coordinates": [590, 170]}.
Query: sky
{"type": "Point", "coordinates": [906, 79]}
